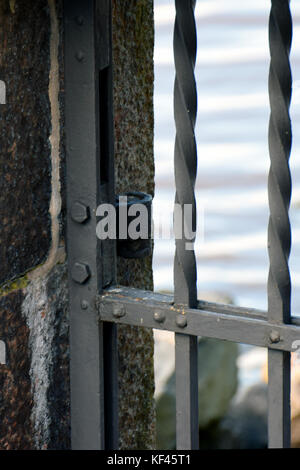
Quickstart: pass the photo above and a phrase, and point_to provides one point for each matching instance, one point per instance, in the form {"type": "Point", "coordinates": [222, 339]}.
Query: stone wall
{"type": "Point", "coordinates": [133, 73]}
{"type": "Point", "coordinates": [34, 382]}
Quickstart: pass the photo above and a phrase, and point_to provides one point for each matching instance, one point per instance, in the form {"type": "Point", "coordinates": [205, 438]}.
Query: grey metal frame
{"type": "Point", "coordinates": [90, 181]}
{"type": "Point", "coordinates": [96, 304]}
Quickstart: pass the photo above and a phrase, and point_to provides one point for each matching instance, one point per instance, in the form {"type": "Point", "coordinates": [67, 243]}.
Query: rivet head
{"type": "Point", "coordinates": [159, 317]}
{"type": "Point", "coordinates": [80, 213]}
{"type": "Point", "coordinates": [80, 272]}
{"type": "Point", "coordinates": [118, 311]}
{"type": "Point", "coordinates": [274, 337]}
{"type": "Point", "coordinates": [181, 321]}
{"type": "Point", "coordinates": [84, 304]}
{"type": "Point", "coordinates": [79, 56]}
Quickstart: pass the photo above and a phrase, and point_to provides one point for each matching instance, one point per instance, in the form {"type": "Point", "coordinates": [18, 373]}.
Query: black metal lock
{"type": "Point", "coordinates": [134, 224]}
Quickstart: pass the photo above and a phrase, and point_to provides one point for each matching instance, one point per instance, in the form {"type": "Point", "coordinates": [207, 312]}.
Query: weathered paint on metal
{"type": "Point", "coordinates": [89, 149]}
{"type": "Point", "coordinates": [279, 230]}
{"type": "Point", "coordinates": [184, 315]}
{"type": "Point", "coordinates": [141, 308]}
{"type": "Point", "coordinates": [185, 270]}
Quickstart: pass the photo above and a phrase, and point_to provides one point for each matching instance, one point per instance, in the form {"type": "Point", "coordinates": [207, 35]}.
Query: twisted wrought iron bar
{"type": "Point", "coordinates": [279, 183]}
{"type": "Point", "coordinates": [185, 111]}
{"type": "Point", "coordinates": [279, 230]}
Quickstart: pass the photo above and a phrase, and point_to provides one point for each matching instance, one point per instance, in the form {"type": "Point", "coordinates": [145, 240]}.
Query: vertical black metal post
{"type": "Point", "coordinates": [107, 195]}
{"type": "Point", "coordinates": [185, 274]}
{"type": "Point", "coordinates": [89, 149]}
{"type": "Point", "coordinates": [279, 232]}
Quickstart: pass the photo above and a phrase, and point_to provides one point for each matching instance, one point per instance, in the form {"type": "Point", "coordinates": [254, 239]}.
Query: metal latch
{"type": "Point", "coordinates": [134, 222]}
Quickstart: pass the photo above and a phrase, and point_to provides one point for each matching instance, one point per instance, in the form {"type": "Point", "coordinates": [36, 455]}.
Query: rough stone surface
{"type": "Point", "coordinates": [34, 395]}
{"type": "Point", "coordinates": [15, 386]}
{"type": "Point", "coordinates": [34, 382]}
{"type": "Point", "coordinates": [245, 425]}
{"type": "Point", "coordinates": [133, 38]}
{"type": "Point", "coordinates": [61, 98]}
{"type": "Point", "coordinates": [59, 389]}
{"type": "Point", "coordinates": [25, 183]}
{"type": "Point", "coordinates": [295, 396]}
{"type": "Point", "coordinates": [45, 308]}
{"type": "Point", "coordinates": [217, 383]}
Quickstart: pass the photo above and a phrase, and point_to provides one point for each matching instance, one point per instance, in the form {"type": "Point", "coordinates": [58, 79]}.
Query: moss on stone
{"type": "Point", "coordinates": [12, 6]}
{"type": "Point", "coordinates": [14, 285]}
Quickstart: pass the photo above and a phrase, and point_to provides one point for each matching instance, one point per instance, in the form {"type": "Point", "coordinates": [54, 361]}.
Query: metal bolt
{"type": "Point", "coordinates": [80, 213]}
{"type": "Point", "coordinates": [118, 311]}
{"type": "Point", "coordinates": [274, 337]}
{"type": "Point", "coordinates": [79, 56]}
{"type": "Point", "coordinates": [181, 321]}
{"type": "Point", "coordinates": [84, 304]}
{"type": "Point", "coordinates": [159, 317]}
{"type": "Point", "coordinates": [80, 272]}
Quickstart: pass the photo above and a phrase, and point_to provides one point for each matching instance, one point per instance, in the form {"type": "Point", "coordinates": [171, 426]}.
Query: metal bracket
{"type": "Point", "coordinates": [126, 246]}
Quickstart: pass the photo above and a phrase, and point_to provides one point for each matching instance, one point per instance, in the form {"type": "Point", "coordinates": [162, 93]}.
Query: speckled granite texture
{"type": "Point", "coordinates": [34, 383]}
{"type": "Point", "coordinates": [25, 183]}
{"type": "Point", "coordinates": [133, 38]}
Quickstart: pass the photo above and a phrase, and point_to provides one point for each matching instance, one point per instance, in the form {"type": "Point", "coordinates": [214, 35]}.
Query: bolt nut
{"type": "Point", "coordinates": [159, 317]}
{"type": "Point", "coordinates": [181, 321]}
{"type": "Point", "coordinates": [80, 272]}
{"type": "Point", "coordinates": [84, 304]}
{"type": "Point", "coordinates": [118, 311]}
{"type": "Point", "coordinates": [80, 213]}
{"type": "Point", "coordinates": [274, 337]}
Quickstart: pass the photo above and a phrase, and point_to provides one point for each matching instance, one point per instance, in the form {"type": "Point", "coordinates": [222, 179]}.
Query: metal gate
{"type": "Point", "coordinates": [97, 305]}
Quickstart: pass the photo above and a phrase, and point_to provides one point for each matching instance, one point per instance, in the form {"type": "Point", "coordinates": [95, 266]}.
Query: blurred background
{"type": "Point", "coordinates": [231, 191]}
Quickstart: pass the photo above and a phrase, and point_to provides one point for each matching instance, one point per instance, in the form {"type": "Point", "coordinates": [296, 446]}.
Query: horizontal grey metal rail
{"type": "Point", "coordinates": [212, 320]}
